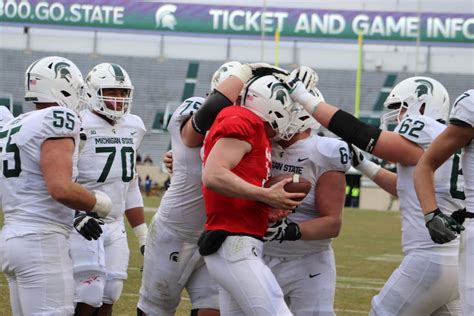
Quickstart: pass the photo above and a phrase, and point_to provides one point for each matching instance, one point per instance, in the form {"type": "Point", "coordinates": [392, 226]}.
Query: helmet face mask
{"type": "Point", "coordinates": [416, 96]}
{"type": "Point", "coordinates": [109, 91]}
{"type": "Point", "coordinates": [54, 79]}
{"type": "Point", "coordinates": [223, 73]}
{"type": "Point", "coordinates": [270, 100]}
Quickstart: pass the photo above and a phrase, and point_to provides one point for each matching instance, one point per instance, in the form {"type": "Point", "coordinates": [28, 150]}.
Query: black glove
{"type": "Point", "coordinates": [442, 228]}
{"type": "Point", "coordinates": [283, 230]}
{"type": "Point", "coordinates": [88, 225]}
{"type": "Point", "coordinates": [264, 69]}
{"type": "Point", "coordinates": [459, 216]}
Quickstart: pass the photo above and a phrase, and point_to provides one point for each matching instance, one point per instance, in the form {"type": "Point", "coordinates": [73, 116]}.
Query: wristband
{"type": "Point", "coordinates": [141, 231]}
{"type": "Point", "coordinates": [369, 168]}
{"type": "Point", "coordinates": [431, 215]}
{"type": "Point", "coordinates": [103, 204]}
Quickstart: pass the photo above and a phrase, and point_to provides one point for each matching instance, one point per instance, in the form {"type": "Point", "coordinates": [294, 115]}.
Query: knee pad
{"type": "Point", "coordinates": [112, 291]}
{"type": "Point", "coordinates": [89, 290]}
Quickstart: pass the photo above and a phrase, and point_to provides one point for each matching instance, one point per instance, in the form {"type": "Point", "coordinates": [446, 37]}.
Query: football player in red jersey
{"type": "Point", "coordinates": [237, 162]}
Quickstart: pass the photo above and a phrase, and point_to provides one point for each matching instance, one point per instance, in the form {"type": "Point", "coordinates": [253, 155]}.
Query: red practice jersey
{"type": "Point", "coordinates": [238, 215]}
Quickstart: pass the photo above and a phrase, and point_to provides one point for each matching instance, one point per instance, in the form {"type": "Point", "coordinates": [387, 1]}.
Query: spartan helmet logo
{"type": "Point", "coordinates": [279, 93]}
{"type": "Point", "coordinates": [423, 88]}
{"type": "Point", "coordinates": [164, 17]}
{"type": "Point", "coordinates": [62, 70]}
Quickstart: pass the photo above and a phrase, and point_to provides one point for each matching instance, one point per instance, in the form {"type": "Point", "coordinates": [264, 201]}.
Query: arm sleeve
{"type": "Point", "coordinates": [134, 197]}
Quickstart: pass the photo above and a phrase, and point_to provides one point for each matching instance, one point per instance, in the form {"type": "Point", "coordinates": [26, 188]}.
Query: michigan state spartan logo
{"type": "Point", "coordinates": [164, 16]}
{"type": "Point", "coordinates": [424, 87]}
{"type": "Point", "coordinates": [62, 70]}
{"type": "Point", "coordinates": [280, 93]}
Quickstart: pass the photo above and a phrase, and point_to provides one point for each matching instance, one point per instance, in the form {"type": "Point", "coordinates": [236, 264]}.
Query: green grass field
{"type": "Point", "coordinates": [367, 251]}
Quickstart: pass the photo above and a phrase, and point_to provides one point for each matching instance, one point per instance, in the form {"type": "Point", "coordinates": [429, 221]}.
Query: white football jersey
{"type": "Point", "coordinates": [449, 186]}
{"type": "Point", "coordinates": [310, 157]}
{"type": "Point", "coordinates": [107, 157]}
{"type": "Point", "coordinates": [182, 205]}
{"type": "Point", "coordinates": [5, 116]}
{"type": "Point", "coordinates": [28, 207]}
{"type": "Point", "coordinates": [463, 111]}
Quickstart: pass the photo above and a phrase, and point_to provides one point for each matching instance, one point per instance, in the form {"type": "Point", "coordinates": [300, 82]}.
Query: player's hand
{"type": "Point", "coordinates": [459, 216]}
{"type": "Point", "coordinates": [442, 228]}
{"type": "Point", "coordinates": [88, 225]}
{"type": "Point", "coordinates": [357, 157]}
{"type": "Point", "coordinates": [283, 230]}
{"type": "Point", "coordinates": [368, 168]}
{"type": "Point", "coordinates": [276, 215]}
{"type": "Point", "coordinates": [168, 161]}
{"type": "Point", "coordinates": [301, 95]}
{"type": "Point", "coordinates": [278, 198]}
{"type": "Point", "coordinates": [307, 75]}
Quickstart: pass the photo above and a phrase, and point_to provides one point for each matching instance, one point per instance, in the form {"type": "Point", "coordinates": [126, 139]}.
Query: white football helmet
{"type": "Point", "coordinates": [417, 96]}
{"type": "Point", "coordinates": [307, 75]}
{"type": "Point", "coordinates": [223, 73]}
{"type": "Point", "coordinates": [108, 76]}
{"type": "Point", "coordinates": [301, 120]}
{"type": "Point", "coordinates": [269, 98]}
{"type": "Point", "coordinates": [54, 79]}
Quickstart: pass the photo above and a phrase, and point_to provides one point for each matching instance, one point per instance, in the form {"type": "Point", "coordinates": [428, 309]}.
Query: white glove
{"type": "Point", "coordinates": [367, 167]}
{"type": "Point", "coordinates": [103, 204]}
{"type": "Point", "coordinates": [307, 75]}
{"type": "Point", "coordinates": [300, 94]}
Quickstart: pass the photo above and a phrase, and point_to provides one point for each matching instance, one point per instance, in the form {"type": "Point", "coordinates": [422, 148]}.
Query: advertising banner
{"type": "Point", "coordinates": [237, 21]}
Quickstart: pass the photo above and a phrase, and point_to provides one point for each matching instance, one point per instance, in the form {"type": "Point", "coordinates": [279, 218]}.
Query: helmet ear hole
{"type": "Point", "coordinates": [278, 114]}
{"type": "Point", "coordinates": [65, 93]}
{"type": "Point", "coordinates": [422, 109]}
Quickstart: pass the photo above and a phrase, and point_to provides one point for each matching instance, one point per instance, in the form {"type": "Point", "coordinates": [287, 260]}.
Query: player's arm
{"type": "Point", "coordinates": [56, 166]}
{"type": "Point", "coordinates": [453, 138]}
{"type": "Point", "coordinates": [217, 176]}
{"type": "Point", "coordinates": [135, 213]}
{"type": "Point", "coordinates": [385, 179]}
{"type": "Point", "coordinates": [352, 130]}
{"type": "Point", "coordinates": [225, 94]}
{"type": "Point", "coordinates": [330, 193]}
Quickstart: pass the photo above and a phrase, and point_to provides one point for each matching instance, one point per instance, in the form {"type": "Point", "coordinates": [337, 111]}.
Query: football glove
{"type": "Point", "coordinates": [358, 161]}
{"type": "Point", "coordinates": [301, 95]}
{"type": "Point", "coordinates": [88, 225]}
{"type": "Point", "coordinates": [460, 216]}
{"type": "Point", "coordinates": [442, 228]}
{"type": "Point", "coordinates": [283, 230]}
